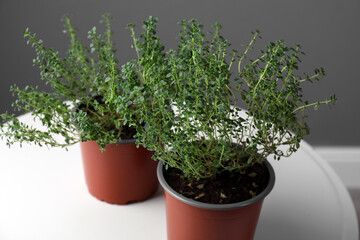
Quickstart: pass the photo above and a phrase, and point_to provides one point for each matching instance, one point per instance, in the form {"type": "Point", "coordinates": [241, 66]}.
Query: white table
{"type": "Point", "coordinates": [43, 196]}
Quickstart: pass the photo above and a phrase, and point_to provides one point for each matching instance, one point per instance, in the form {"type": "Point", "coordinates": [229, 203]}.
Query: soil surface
{"type": "Point", "coordinates": [227, 187]}
{"type": "Point", "coordinates": [128, 132]}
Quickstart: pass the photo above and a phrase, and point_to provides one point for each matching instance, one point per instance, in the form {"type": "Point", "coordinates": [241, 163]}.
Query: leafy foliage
{"type": "Point", "coordinates": [89, 79]}
{"type": "Point", "coordinates": [183, 103]}
{"type": "Point", "coordinates": [205, 132]}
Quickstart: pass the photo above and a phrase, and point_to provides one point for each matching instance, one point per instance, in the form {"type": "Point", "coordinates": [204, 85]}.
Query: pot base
{"type": "Point", "coordinates": [122, 174]}
{"type": "Point", "coordinates": [192, 223]}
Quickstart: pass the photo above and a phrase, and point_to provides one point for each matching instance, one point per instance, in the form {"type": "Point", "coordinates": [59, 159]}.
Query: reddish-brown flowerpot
{"type": "Point", "coordinates": [192, 220]}
{"type": "Point", "coordinates": [121, 174]}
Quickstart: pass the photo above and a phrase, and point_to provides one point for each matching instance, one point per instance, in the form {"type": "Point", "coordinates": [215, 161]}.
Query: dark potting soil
{"type": "Point", "coordinates": [128, 132]}
{"type": "Point", "coordinates": [227, 187]}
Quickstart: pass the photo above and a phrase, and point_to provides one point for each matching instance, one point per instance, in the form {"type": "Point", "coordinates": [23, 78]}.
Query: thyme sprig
{"type": "Point", "coordinates": [88, 79]}
{"type": "Point", "coordinates": [206, 132]}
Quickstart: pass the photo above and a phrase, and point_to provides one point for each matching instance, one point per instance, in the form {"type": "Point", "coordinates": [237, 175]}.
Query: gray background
{"type": "Point", "coordinates": [328, 31]}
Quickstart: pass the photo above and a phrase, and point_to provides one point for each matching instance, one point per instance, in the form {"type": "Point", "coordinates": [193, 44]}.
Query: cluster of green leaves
{"type": "Point", "coordinates": [91, 99]}
{"type": "Point", "coordinates": [183, 103]}
{"type": "Point", "coordinates": [274, 100]}
{"type": "Point", "coordinates": [193, 122]}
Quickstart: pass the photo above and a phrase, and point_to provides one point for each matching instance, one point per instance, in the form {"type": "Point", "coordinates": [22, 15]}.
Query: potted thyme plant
{"type": "Point", "coordinates": [92, 102]}
{"type": "Point", "coordinates": [213, 155]}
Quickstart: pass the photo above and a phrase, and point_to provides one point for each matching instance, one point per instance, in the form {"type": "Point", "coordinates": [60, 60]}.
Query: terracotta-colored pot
{"type": "Point", "coordinates": [121, 174]}
{"type": "Point", "coordinates": [192, 220]}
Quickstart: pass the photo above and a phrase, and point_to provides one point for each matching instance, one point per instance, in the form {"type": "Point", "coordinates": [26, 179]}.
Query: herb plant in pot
{"type": "Point", "coordinates": [83, 107]}
{"type": "Point", "coordinates": [213, 154]}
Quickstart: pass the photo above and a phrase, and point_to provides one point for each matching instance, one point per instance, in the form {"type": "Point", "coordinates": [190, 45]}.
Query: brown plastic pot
{"type": "Point", "coordinates": [121, 174]}
{"type": "Point", "coordinates": [192, 220]}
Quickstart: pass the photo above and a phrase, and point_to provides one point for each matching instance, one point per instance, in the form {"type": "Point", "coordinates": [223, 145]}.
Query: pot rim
{"type": "Point", "coordinates": [211, 206]}
{"type": "Point", "coordinates": [126, 141]}
{"type": "Point", "coordinates": [120, 141]}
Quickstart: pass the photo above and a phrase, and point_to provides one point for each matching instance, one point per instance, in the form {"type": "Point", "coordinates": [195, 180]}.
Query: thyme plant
{"type": "Point", "coordinates": [203, 82]}
{"type": "Point", "coordinates": [91, 97]}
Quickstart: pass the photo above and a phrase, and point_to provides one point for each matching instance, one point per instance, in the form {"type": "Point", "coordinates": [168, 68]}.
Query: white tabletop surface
{"type": "Point", "coordinates": [43, 196]}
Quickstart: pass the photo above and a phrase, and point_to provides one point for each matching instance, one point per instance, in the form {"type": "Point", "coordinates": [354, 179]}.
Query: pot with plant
{"type": "Point", "coordinates": [213, 155]}
{"type": "Point", "coordinates": [84, 107]}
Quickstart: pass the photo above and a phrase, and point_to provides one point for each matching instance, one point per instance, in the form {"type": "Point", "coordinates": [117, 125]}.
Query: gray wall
{"type": "Point", "coordinates": [329, 32]}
